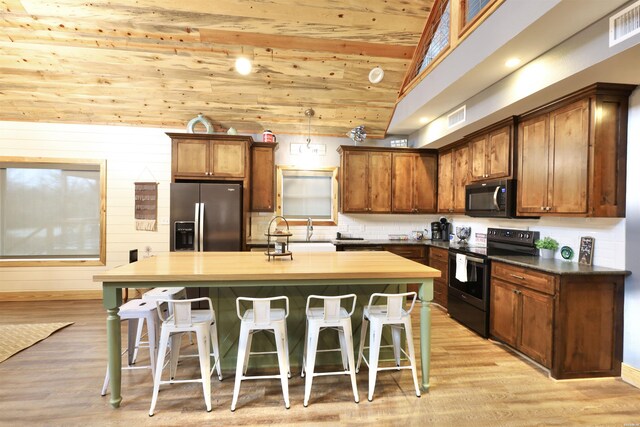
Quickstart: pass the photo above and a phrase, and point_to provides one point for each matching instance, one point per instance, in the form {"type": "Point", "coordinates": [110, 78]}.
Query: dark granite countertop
{"type": "Point", "coordinates": [410, 242]}
{"type": "Point", "coordinates": [556, 266]}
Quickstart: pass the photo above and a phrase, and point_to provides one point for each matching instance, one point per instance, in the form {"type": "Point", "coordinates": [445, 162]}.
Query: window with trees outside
{"type": "Point", "coordinates": [52, 211]}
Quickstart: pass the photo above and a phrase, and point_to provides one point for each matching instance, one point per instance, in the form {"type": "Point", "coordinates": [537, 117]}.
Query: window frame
{"type": "Point", "coordinates": [464, 27]}
{"type": "Point", "coordinates": [334, 194]}
{"type": "Point", "coordinates": [56, 163]}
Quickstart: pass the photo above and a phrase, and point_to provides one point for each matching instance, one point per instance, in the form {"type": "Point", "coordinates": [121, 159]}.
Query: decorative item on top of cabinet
{"type": "Point", "coordinates": [205, 156]}
{"type": "Point", "coordinates": [572, 154]}
{"type": "Point", "coordinates": [569, 323]}
{"type": "Point", "coordinates": [263, 176]}
{"type": "Point", "coordinates": [453, 176]}
{"type": "Point", "coordinates": [491, 151]}
{"type": "Point", "coordinates": [414, 181]}
{"type": "Point", "coordinates": [365, 180]}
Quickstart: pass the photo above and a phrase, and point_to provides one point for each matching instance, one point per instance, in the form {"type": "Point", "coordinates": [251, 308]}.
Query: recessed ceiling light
{"type": "Point", "coordinates": [243, 65]}
{"type": "Point", "coordinates": [512, 62]}
{"type": "Point", "coordinates": [424, 120]}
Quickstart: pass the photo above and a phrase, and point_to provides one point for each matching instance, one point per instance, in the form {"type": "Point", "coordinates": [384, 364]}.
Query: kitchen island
{"type": "Point", "coordinates": [235, 272]}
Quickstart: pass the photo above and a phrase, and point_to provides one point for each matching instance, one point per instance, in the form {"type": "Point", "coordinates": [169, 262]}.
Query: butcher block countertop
{"type": "Point", "coordinates": [243, 266]}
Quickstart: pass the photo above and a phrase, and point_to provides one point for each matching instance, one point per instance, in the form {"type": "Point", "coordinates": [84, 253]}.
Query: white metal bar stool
{"type": "Point", "coordinates": [331, 315]}
{"type": "Point", "coordinates": [261, 317]}
{"type": "Point", "coordinates": [393, 314]}
{"type": "Point", "coordinates": [137, 311]}
{"type": "Point", "coordinates": [153, 295]}
{"type": "Point", "coordinates": [184, 319]}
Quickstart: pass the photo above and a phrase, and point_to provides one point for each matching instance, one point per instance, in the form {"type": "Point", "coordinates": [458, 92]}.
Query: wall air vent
{"type": "Point", "coordinates": [624, 24]}
{"type": "Point", "coordinates": [458, 116]}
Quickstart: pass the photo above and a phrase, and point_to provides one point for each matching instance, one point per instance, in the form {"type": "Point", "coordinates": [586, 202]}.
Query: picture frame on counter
{"type": "Point", "coordinates": [586, 250]}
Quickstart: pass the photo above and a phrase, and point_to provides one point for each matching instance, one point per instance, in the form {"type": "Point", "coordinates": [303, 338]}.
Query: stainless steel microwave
{"type": "Point", "coordinates": [491, 199]}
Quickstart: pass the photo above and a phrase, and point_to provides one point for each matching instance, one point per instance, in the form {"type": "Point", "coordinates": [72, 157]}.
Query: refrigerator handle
{"type": "Point", "coordinates": [196, 220]}
{"type": "Point", "coordinates": [201, 228]}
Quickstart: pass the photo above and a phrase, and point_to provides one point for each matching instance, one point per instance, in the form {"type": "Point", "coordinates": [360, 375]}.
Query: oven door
{"type": "Point", "coordinates": [475, 290]}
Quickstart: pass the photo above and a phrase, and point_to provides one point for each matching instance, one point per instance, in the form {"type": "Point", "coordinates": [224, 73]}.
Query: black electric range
{"type": "Point", "coordinates": [469, 274]}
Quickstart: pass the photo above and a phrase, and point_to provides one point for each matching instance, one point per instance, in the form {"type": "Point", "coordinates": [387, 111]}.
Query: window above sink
{"type": "Point", "coordinates": [307, 193]}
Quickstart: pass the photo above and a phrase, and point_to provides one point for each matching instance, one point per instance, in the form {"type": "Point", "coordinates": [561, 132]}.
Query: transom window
{"type": "Point", "coordinates": [52, 211]}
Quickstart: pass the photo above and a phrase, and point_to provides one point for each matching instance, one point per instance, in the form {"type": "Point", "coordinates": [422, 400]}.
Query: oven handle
{"type": "Point", "coordinates": [474, 259]}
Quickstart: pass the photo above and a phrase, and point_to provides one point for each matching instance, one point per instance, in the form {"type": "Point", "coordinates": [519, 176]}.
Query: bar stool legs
{"type": "Point", "coordinates": [330, 316]}
{"type": "Point", "coordinates": [262, 318]}
{"type": "Point", "coordinates": [394, 315]}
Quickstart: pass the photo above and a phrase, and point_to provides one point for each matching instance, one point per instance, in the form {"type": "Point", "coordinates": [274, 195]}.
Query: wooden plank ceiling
{"type": "Point", "coordinates": [160, 63]}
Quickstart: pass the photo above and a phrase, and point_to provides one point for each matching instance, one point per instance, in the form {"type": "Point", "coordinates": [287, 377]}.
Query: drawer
{"type": "Point", "coordinates": [533, 279]}
{"type": "Point", "coordinates": [407, 251]}
{"type": "Point", "coordinates": [438, 254]}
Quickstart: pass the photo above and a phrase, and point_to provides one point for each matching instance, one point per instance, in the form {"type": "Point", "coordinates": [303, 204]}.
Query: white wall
{"type": "Point", "coordinates": [632, 284]}
{"type": "Point", "coordinates": [132, 154]}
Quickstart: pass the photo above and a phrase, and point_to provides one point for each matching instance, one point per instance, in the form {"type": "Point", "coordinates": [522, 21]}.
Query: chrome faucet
{"type": "Point", "coordinates": [309, 229]}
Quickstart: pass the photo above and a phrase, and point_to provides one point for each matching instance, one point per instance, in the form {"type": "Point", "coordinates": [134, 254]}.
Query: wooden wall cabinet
{"type": "Point", "coordinates": [207, 156]}
{"type": "Point", "coordinates": [365, 180]}
{"type": "Point", "coordinates": [263, 176]}
{"type": "Point", "coordinates": [569, 323]}
{"type": "Point", "coordinates": [572, 155]}
{"type": "Point", "coordinates": [414, 182]}
{"type": "Point", "coordinates": [491, 152]}
{"type": "Point", "coordinates": [453, 176]}
{"type": "Point", "coordinates": [439, 259]}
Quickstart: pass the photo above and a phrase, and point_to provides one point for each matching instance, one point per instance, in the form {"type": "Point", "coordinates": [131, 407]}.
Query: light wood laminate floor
{"type": "Point", "coordinates": [474, 382]}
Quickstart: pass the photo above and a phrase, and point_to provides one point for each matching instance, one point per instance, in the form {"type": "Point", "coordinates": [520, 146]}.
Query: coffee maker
{"type": "Point", "coordinates": [440, 230]}
{"type": "Point", "coordinates": [436, 234]}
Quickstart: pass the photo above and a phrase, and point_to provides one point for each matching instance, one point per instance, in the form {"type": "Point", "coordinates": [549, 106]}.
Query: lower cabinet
{"type": "Point", "coordinates": [415, 253]}
{"type": "Point", "coordinates": [439, 259]}
{"type": "Point", "coordinates": [569, 323]}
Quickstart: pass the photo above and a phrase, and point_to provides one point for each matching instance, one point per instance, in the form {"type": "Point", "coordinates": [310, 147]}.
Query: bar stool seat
{"type": "Point", "coordinates": [394, 315]}
{"type": "Point", "coordinates": [333, 316]}
{"type": "Point", "coordinates": [182, 320]}
{"type": "Point", "coordinates": [136, 312]}
{"type": "Point", "coordinates": [261, 317]}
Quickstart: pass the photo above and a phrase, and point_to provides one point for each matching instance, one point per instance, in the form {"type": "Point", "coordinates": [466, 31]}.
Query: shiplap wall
{"type": "Point", "coordinates": [132, 154]}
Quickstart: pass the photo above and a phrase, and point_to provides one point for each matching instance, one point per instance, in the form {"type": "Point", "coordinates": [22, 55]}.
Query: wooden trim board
{"type": "Point", "coordinates": [631, 375]}
{"type": "Point", "coordinates": [82, 294]}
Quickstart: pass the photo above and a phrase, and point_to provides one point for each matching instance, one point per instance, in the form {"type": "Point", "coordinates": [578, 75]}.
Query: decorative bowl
{"type": "Point", "coordinates": [463, 233]}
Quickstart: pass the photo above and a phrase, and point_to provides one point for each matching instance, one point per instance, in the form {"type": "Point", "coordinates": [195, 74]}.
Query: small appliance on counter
{"type": "Point", "coordinates": [445, 229]}
{"type": "Point", "coordinates": [435, 231]}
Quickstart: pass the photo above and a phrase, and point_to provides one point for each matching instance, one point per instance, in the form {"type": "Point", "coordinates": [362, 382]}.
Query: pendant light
{"type": "Point", "coordinates": [309, 113]}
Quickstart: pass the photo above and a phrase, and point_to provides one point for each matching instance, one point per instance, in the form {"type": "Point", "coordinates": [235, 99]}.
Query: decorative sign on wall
{"type": "Point", "coordinates": [146, 206]}
{"type": "Point", "coordinates": [586, 250]}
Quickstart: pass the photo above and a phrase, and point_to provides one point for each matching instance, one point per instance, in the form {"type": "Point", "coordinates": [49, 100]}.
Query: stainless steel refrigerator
{"type": "Point", "coordinates": [205, 217]}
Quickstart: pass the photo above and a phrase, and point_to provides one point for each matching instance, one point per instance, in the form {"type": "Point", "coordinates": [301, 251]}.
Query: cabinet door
{"type": "Point", "coordinates": [445, 181]}
{"type": "Point", "coordinates": [190, 158]}
{"type": "Point", "coordinates": [227, 159]}
{"type": "Point", "coordinates": [379, 176]}
{"type": "Point", "coordinates": [536, 334]}
{"type": "Point", "coordinates": [424, 198]}
{"type": "Point", "coordinates": [403, 179]}
{"type": "Point", "coordinates": [533, 162]}
{"type": "Point", "coordinates": [478, 158]}
{"type": "Point", "coordinates": [262, 179]}
{"type": "Point", "coordinates": [504, 312]}
{"type": "Point", "coordinates": [354, 182]}
{"type": "Point", "coordinates": [460, 177]}
{"type": "Point", "coordinates": [499, 153]}
{"type": "Point", "coordinates": [569, 158]}
{"type": "Point", "coordinates": [440, 284]}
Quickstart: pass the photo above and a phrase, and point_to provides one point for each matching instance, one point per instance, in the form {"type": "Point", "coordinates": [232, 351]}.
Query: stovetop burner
{"type": "Point", "coordinates": [501, 241]}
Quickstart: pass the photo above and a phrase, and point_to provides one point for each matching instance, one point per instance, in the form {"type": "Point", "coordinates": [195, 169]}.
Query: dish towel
{"type": "Point", "coordinates": [461, 267]}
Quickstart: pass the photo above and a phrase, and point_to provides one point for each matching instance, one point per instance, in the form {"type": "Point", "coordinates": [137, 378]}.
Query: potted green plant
{"type": "Point", "coordinates": [547, 246]}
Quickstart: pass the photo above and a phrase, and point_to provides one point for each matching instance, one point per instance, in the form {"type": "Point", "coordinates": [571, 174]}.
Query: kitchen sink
{"type": "Point", "coordinates": [313, 246]}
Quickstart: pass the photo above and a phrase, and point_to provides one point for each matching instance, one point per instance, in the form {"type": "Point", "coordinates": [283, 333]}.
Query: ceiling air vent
{"type": "Point", "coordinates": [624, 24]}
{"type": "Point", "coordinates": [458, 116]}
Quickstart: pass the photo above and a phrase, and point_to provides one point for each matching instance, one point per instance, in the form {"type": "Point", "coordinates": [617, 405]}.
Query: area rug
{"type": "Point", "coordinates": [15, 338]}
